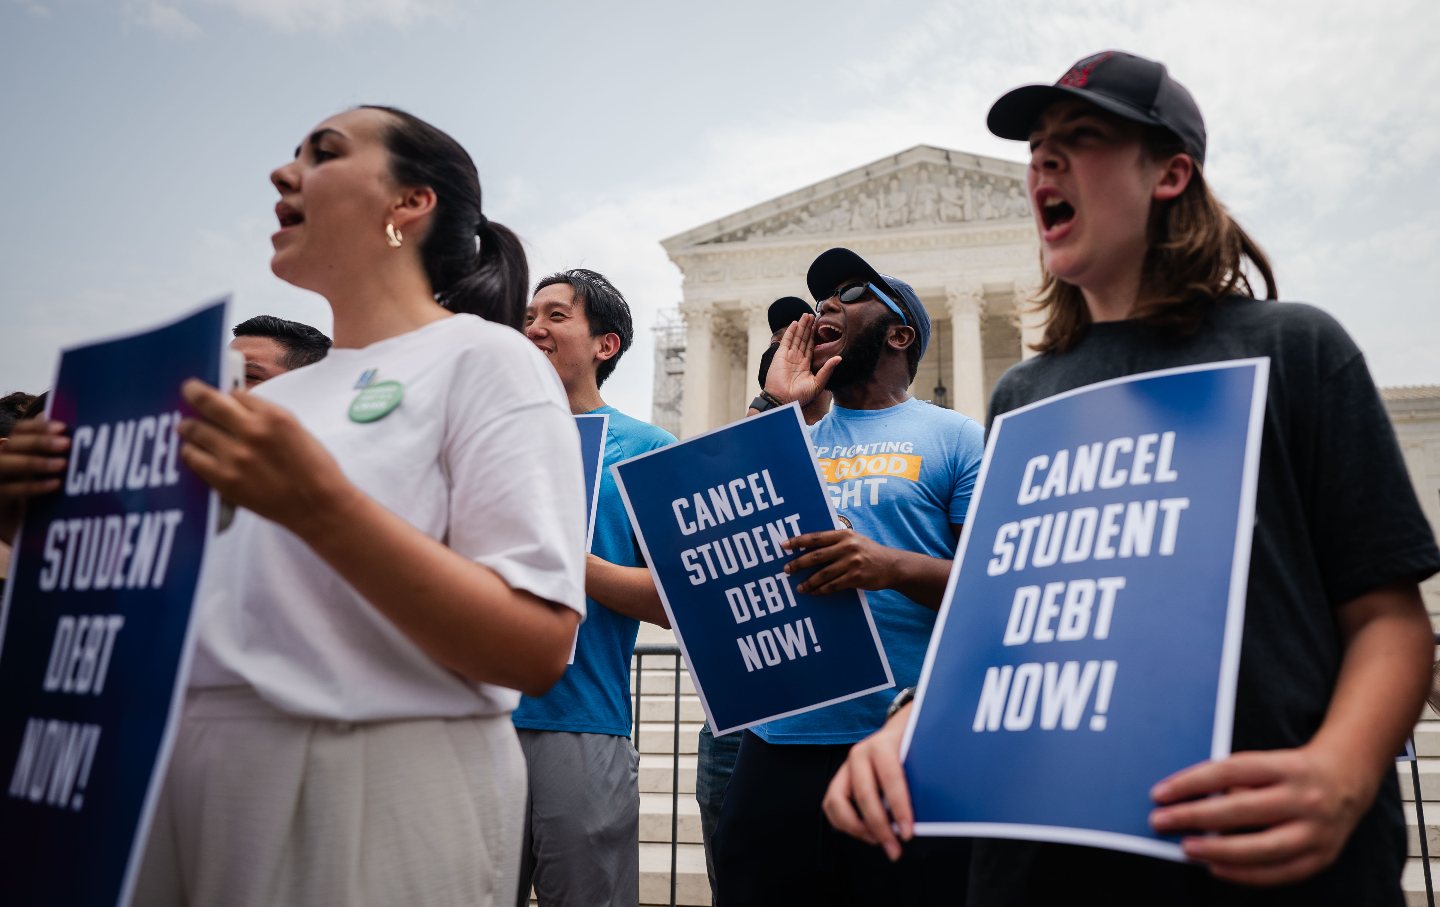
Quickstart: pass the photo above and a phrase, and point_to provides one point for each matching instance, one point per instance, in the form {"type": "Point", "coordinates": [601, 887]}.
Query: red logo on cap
{"type": "Point", "coordinates": [1079, 74]}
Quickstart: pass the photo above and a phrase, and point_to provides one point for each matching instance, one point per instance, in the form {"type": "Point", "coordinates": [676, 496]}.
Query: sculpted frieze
{"type": "Point", "coordinates": [924, 195]}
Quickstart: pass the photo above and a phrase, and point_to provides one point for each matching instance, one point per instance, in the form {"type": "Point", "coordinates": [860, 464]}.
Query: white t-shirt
{"type": "Point", "coordinates": [482, 453]}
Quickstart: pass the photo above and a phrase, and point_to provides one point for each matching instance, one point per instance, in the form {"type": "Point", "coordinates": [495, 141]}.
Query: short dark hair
{"type": "Point", "coordinates": [606, 310]}
{"type": "Point", "coordinates": [36, 409]}
{"type": "Point", "coordinates": [303, 344]}
{"type": "Point", "coordinates": [12, 410]}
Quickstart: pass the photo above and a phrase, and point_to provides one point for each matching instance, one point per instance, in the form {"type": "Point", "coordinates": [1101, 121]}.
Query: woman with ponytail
{"type": "Point", "coordinates": [1145, 270]}
{"type": "Point", "coordinates": [408, 553]}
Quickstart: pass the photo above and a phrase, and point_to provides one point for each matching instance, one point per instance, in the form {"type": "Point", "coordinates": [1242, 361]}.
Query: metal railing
{"type": "Point", "coordinates": [1422, 832]}
{"type": "Point", "coordinates": [664, 650]}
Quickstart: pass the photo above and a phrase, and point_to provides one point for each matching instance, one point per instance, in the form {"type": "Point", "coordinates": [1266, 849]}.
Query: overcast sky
{"type": "Point", "coordinates": [138, 135]}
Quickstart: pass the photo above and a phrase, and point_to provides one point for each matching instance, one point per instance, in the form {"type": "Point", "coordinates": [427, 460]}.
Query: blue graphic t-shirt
{"type": "Point", "coordinates": [901, 476]}
{"type": "Point", "coordinates": [593, 697]}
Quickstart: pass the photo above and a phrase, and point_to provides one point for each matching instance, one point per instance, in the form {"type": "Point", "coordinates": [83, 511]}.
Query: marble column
{"type": "Point", "coordinates": [967, 358]}
{"type": "Point", "coordinates": [1032, 323]}
{"type": "Point", "coordinates": [699, 345]}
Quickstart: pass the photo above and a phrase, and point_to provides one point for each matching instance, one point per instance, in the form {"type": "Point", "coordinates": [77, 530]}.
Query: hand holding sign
{"type": "Point", "coordinates": [841, 559]}
{"type": "Point", "coordinates": [1288, 813]}
{"type": "Point", "coordinates": [868, 797]}
{"type": "Point", "coordinates": [32, 462]}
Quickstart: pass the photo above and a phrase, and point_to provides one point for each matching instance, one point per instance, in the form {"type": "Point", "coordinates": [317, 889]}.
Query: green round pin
{"type": "Point", "coordinates": [376, 401]}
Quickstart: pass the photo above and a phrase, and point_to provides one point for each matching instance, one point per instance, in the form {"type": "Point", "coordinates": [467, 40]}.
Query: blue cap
{"type": "Point", "coordinates": [835, 265]}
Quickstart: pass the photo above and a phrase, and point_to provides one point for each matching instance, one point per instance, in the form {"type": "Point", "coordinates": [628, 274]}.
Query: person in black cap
{"type": "Point", "coordinates": [784, 312]}
{"type": "Point", "coordinates": [715, 756]}
{"type": "Point", "coordinates": [901, 473]}
{"type": "Point", "coordinates": [1145, 270]}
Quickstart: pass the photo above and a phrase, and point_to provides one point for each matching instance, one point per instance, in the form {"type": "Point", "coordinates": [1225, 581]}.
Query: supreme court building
{"type": "Point", "coordinates": [954, 226]}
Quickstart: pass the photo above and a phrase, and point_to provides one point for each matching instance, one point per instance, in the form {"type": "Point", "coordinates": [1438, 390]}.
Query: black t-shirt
{"type": "Point", "coordinates": [1335, 517]}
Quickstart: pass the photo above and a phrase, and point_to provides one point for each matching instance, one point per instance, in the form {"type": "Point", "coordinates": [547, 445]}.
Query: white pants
{"type": "Point", "coordinates": [260, 808]}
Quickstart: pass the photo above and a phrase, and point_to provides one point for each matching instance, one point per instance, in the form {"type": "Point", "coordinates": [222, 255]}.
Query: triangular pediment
{"type": "Point", "coordinates": [922, 188]}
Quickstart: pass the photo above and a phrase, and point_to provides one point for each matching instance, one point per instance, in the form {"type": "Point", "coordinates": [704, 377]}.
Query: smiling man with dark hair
{"type": "Point", "coordinates": [582, 821]}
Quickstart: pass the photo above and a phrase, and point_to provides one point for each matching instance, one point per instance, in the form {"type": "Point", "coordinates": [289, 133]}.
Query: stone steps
{"type": "Point", "coordinates": [655, 819]}
{"type": "Point", "coordinates": [662, 708]}
{"type": "Point", "coordinates": [659, 680]}
{"type": "Point", "coordinates": [692, 884]}
{"type": "Point", "coordinates": [659, 737]}
{"type": "Point", "coordinates": [1427, 738]}
{"type": "Point", "coordinates": [656, 775]}
{"type": "Point", "coordinates": [656, 742]}
{"type": "Point", "coordinates": [1412, 881]}
{"type": "Point", "coordinates": [1429, 783]}
{"type": "Point", "coordinates": [1412, 829]}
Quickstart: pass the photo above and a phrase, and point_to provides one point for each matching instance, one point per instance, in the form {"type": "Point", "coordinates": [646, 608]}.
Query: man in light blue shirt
{"type": "Point", "coordinates": [900, 472]}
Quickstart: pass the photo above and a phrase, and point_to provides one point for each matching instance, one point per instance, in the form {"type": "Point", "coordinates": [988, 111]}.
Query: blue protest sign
{"type": "Point", "coordinates": [1089, 638]}
{"type": "Point", "coordinates": [710, 514]}
{"type": "Point", "coordinates": [95, 629]}
{"type": "Point", "coordinates": [592, 428]}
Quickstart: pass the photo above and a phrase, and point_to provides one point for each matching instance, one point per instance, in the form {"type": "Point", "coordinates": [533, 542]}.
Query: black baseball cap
{"type": "Point", "coordinates": [1128, 86]}
{"type": "Point", "coordinates": [787, 310]}
{"type": "Point", "coordinates": [835, 265]}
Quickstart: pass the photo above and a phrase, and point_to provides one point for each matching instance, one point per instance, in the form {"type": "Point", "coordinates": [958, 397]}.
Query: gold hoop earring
{"type": "Point", "coordinates": [393, 236]}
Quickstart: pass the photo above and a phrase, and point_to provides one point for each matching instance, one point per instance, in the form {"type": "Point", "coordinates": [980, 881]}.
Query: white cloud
{"type": "Point", "coordinates": [34, 8]}
{"type": "Point", "coordinates": [286, 16]}
{"type": "Point", "coordinates": [160, 17]}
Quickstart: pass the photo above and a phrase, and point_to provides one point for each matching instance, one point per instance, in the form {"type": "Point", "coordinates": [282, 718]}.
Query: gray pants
{"type": "Point", "coordinates": [582, 820]}
{"type": "Point", "coordinates": [264, 809]}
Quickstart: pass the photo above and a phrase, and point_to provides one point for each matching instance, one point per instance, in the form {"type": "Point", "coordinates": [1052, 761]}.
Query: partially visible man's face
{"type": "Point", "coordinates": [263, 356]}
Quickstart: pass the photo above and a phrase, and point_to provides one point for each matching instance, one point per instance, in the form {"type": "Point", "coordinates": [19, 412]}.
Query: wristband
{"type": "Point", "coordinates": [901, 700]}
{"type": "Point", "coordinates": [765, 401]}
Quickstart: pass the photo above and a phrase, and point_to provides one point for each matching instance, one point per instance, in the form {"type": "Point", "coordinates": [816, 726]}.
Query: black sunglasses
{"type": "Point", "coordinates": [856, 292]}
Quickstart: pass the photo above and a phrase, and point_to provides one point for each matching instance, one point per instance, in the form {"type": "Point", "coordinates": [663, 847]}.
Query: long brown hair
{"type": "Point", "coordinates": [1197, 255]}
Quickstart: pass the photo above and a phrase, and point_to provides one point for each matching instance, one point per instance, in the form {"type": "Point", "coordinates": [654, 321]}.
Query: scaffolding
{"type": "Point", "coordinates": [669, 391]}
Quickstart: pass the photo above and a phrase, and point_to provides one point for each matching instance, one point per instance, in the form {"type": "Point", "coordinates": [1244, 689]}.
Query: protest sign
{"type": "Point", "coordinates": [95, 628]}
{"type": "Point", "coordinates": [592, 427]}
{"type": "Point", "coordinates": [710, 514]}
{"type": "Point", "coordinates": [1089, 638]}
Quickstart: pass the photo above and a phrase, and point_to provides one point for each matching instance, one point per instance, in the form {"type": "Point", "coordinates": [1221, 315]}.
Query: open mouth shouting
{"type": "Point", "coordinates": [288, 215]}
{"type": "Point", "coordinates": [829, 338]}
{"type": "Point", "coordinates": [1055, 212]}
